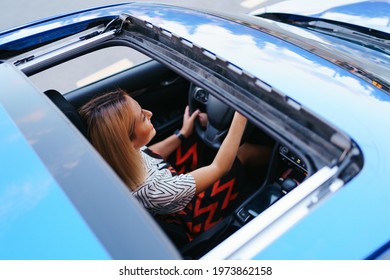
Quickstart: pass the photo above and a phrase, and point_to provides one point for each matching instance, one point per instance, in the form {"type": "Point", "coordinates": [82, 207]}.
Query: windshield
{"type": "Point", "coordinates": [362, 51]}
{"type": "Point", "coordinates": [363, 35]}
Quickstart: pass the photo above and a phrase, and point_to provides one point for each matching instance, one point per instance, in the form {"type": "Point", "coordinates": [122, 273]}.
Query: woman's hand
{"type": "Point", "coordinates": [166, 147]}
{"type": "Point", "coordinates": [188, 122]}
{"type": "Point", "coordinates": [223, 161]}
{"type": "Point", "coordinates": [203, 119]}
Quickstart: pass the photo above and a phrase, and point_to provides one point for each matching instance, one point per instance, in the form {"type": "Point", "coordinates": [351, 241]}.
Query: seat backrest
{"type": "Point", "coordinates": [68, 109]}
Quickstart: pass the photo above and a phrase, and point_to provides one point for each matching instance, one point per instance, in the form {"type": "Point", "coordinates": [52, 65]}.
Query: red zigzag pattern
{"type": "Point", "coordinates": [180, 159]}
{"type": "Point", "coordinates": [212, 208]}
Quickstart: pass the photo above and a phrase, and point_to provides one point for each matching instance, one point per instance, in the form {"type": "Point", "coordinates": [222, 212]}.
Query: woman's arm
{"type": "Point", "coordinates": [223, 161]}
{"type": "Point", "coordinates": [165, 147]}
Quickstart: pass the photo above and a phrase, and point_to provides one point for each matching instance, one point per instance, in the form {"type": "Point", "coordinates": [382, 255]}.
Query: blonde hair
{"type": "Point", "coordinates": [110, 125]}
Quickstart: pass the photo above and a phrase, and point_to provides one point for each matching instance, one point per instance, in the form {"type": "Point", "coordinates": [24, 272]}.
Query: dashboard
{"type": "Point", "coordinates": [294, 167]}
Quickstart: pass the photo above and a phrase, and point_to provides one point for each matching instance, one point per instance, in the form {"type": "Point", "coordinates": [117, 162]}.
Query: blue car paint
{"type": "Point", "coordinates": [362, 10]}
{"type": "Point", "coordinates": [56, 27]}
{"type": "Point", "coordinates": [362, 14]}
{"type": "Point", "coordinates": [350, 225]}
{"type": "Point", "coordinates": [29, 198]}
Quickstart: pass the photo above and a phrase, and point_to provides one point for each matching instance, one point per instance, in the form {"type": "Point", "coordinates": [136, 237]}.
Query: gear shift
{"type": "Point", "coordinates": [288, 184]}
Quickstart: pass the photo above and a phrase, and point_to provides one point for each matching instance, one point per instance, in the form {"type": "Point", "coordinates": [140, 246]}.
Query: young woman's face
{"type": "Point", "coordinates": [143, 129]}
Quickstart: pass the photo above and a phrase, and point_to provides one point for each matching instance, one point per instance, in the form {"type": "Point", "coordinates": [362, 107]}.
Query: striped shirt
{"type": "Point", "coordinates": [164, 191]}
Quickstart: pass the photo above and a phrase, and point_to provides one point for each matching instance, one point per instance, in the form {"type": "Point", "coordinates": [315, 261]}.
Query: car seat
{"type": "Point", "coordinates": [68, 109]}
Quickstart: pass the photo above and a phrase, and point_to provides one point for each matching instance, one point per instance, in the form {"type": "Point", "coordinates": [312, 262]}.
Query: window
{"type": "Point", "coordinates": [88, 69]}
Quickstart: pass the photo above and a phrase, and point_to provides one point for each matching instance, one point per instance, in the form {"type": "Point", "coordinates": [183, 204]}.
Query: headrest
{"type": "Point", "coordinates": [68, 109]}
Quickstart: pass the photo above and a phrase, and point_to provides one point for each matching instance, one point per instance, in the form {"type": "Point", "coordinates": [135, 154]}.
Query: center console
{"type": "Point", "coordinates": [287, 171]}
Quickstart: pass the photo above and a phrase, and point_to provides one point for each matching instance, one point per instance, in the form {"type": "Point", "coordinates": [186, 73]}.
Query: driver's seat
{"type": "Point", "coordinates": [203, 243]}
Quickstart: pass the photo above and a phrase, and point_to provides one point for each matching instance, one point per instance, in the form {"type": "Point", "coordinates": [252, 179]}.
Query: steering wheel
{"type": "Point", "coordinates": [219, 116]}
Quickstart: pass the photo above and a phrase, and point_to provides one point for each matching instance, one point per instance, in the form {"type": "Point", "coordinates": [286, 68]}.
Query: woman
{"type": "Point", "coordinates": [120, 130]}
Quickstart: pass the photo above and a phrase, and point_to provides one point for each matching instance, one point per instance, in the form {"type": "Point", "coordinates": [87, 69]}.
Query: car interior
{"type": "Point", "coordinates": [166, 94]}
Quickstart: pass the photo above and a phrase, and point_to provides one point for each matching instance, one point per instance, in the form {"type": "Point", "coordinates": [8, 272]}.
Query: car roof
{"type": "Point", "coordinates": [336, 95]}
